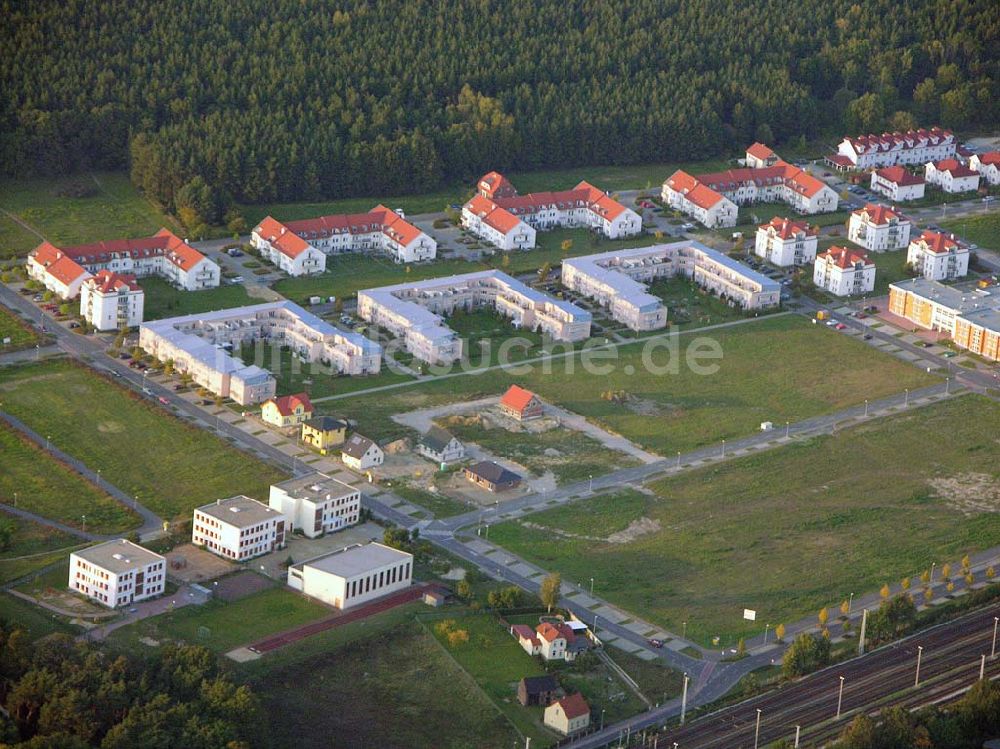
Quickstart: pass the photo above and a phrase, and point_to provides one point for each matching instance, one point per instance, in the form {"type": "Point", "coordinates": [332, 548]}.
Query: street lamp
{"type": "Point", "coordinates": [591, 586]}
{"type": "Point", "coordinates": [84, 523]}
{"type": "Point", "coordinates": [684, 630]}
{"type": "Point", "coordinates": [931, 578]}
{"type": "Point", "coordinates": [866, 408]}
{"type": "Point", "coordinates": [591, 477]}
{"type": "Point", "coordinates": [996, 619]}
{"type": "Point", "coordinates": [916, 679]}
{"type": "Point", "coordinates": [756, 734]}
{"type": "Point", "coordinates": [723, 448]}
{"type": "Point", "coordinates": [48, 441]}
{"type": "Point", "coordinates": [840, 697]}
{"type": "Point", "coordinates": [906, 397]}
{"type": "Point", "coordinates": [678, 458]}
{"type": "Point", "coordinates": [850, 603]}
{"type": "Point", "coordinates": [786, 430]}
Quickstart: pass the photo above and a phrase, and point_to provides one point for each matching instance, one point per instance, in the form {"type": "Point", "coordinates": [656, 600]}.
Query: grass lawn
{"type": "Point", "coordinates": [33, 546]}
{"type": "Point", "coordinates": [658, 682]}
{"type": "Point", "coordinates": [164, 300]}
{"type": "Point", "coordinates": [230, 625]}
{"type": "Point", "coordinates": [48, 487]}
{"type": "Point", "coordinates": [982, 229]}
{"type": "Point", "coordinates": [14, 327]}
{"type": "Point", "coordinates": [140, 448]}
{"type": "Point", "coordinates": [810, 370]}
{"type": "Point", "coordinates": [432, 202]}
{"type": "Point", "coordinates": [110, 208]}
{"type": "Point", "coordinates": [15, 239]}
{"type": "Point", "coordinates": [890, 267]}
{"type": "Point", "coordinates": [688, 305]}
{"type": "Point", "coordinates": [393, 688]}
{"type": "Point", "coordinates": [439, 504]}
{"type": "Point", "coordinates": [790, 530]}
{"type": "Point", "coordinates": [36, 621]}
{"type": "Point", "coordinates": [570, 455]}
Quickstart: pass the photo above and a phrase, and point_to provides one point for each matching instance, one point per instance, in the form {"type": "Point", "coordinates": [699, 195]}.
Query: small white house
{"type": "Point", "coordinates": [951, 176]}
{"type": "Point", "coordinates": [844, 272]}
{"type": "Point", "coordinates": [361, 453]}
{"type": "Point", "coordinates": [117, 573]}
{"type": "Point", "coordinates": [353, 575]}
{"type": "Point", "coordinates": [938, 257]}
{"type": "Point", "coordinates": [109, 301]}
{"type": "Point", "coordinates": [238, 528]}
{"type": "Point", "coordinates": [441, 446]}
{"type": "Point", "coordinates": [568, 715]}
{"type": "Point", "coordinates": [878, 228]}
{"type": "Point", "coordinates": [988, 166]}
{"type": "Point", "coordinates": [897, 184]}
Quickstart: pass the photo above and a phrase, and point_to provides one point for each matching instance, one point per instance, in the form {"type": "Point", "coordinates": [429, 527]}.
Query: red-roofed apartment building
{"type": "Point", "coordinates": [878, 228]}
{"type": "Point", "coordinates": [301, 247]}
{"type": "Point", "coordinates": [844, 272]}
{"type": "Point", "coordinates": [110, 301]}
{"type": "Point", "coordinates": [55, 270]}
{"type": "Point", "coordinates": [520, 404]}
{"type": "Point", "coordinates": [889, 149]}
{"type": "Point", "coordinates": [785, 242]}
{"type": "Point", "coordinates": [509, 221]}
{"type": "Point", "coordinates": [938, 257]}
{"type": "Point", "coordinates": [164, 254]}
{"type": "Point", "coordinates": [988, 166]}
{"type": "Point", "coordinates": [898, 184]}
{"type": "Point", "coordinates": [712, 198]}
{"type": "Point", "coordinates": [951, 175]}
{"type": "Point", "coordinates": [568, 715]}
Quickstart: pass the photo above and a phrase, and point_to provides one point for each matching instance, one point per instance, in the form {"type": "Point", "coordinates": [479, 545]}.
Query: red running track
{"type": "Point", "coordinates": [281, 639]}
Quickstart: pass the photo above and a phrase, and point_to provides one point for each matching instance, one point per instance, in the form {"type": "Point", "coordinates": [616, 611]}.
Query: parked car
{"type": "Point", "coordinates": [38, 297]}
{"type": "Point", "coordinates": [656, 643]}
{"type": "Point", "coordinates": [74, 324]}
{"type": "Point", "coordinates": [235, 252]}
{"type": "Point", "coordinates": [207, 402]}
{"type": "Point", "coordinates": [179, 386]}
{"type": "Point", "coordinates": [989, 199]}
{"type": "Point", "coordinates": [124, 355]}
{"type": "Point", "coordinates": [687, 227]}
{"type": "Point", "coordinates": [147, 391]}
{"type": "Point", "coordinates": [24, 291]}
{"type": "Point", "coordinates": [163, 400]}
{"type": "Point", "coordinates": [867, 336]}
{"type": "Point", "coordinates": [840, 326]}
{"type": "Point", "coordinates": [134, 364]}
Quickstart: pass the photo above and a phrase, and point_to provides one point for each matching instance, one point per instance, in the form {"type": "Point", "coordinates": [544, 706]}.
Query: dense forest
{"type": "Point", "coordinates": [291, 100]}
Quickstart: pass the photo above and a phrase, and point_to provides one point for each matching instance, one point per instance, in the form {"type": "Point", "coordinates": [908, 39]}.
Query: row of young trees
{"type": "Point", "coordinates": [289, 100]}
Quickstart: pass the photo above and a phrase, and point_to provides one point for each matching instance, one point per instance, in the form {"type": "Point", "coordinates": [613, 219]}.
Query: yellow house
{"type": "Point", "coordinates": [324, 432]}
{"type": "Point", "coordinates": [286, 411]}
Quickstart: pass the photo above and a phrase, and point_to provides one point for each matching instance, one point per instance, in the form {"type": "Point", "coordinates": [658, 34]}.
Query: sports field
{"type": "Point", "coordinates": [787, 531]}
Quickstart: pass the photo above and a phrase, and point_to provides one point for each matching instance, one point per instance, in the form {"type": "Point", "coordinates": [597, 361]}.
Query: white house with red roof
{"type": "Point", "coordinates": [766, 178]}
{"type": "Point", "coordinates": [938, 257]}
{"type": "Point", "coordinates": [164, 254]}
{"type": "Point", "coordinates": [987, 165]}
{"type": "Point", "coordinates": [56, 271]}
{"type": "Point", "coordinates": [499, 215]}
{"type": "Point", "coordinates": [568, 715]}
{"type": "Point", "coordinates": [888, 149]}
{"type": "Point", "coordinates": [379, 230]}
{"type": "Point", "coordinates": [552, 640]}
{"type": "Point", "coordinates": [951, 175]}
{"type": "Point", "coordinates": [844, 272]}
{"type": "Point", "coordinates": [785, 242]}
{"type": "Point", "coordinates": [898, 184]}
{"type": "Point", "coordinates": [521, 404]}
{"type": "Point", "coordinates": [111, 301]}
{"type": "Point", "coordinates": [878, 228]}
{"type": "Point", "coordinates": [287, 410]}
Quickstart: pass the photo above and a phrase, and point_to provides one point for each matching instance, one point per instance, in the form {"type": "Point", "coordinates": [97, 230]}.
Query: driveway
{"type": "Point", "coordinates": [185, 596]}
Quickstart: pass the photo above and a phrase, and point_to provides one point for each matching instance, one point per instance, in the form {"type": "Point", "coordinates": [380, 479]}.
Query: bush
{"type": "Point", "coordinates": [805, 655]}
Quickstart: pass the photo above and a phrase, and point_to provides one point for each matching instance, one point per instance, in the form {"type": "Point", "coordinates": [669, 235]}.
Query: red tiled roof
{"type": "Point", "coordinates": [879, 214]}
{"type": "Point", "coordinates": [991, 157]}
{"type": "Point", "coordinates": [378, 219]}
{"type": "Point", "coordinates": [839, 159]}
{"type": "Point", "coordinates": [936, 242]}
{"type": "Point", "coordinates": [524, 632]}
{"type": "Point", "coordinates": [283, 239]}
{"type": "Point", "coordinates": [549, 632]}
{"type": "Point", "coordinates": [495, 185]}
{"type": "Point", "coordinates": [899, 176]}
{"type": "Point", "coordinates": [162, 244]}
{"type": "Point", "coordinates": [180, 253]}
{"type": "Point", "coordinates": [503, 195]}
{"type": "Point", "coordinates": [899, 140]}
{"type": "Point", "coordinates": [517, 398]}
{"type": "Point", "coordinates": [493, 215]}
{"type": "Point", "coordinates": [286, 403]}
{"type": "Point", "coordinates": [732, 179]}
{"type": "Point", "coordinates": [786, 228]}
{"type": "Point", "coordinates": [956, 168]}
{"type": "Point", "coordinates": [107, 282]}
{"type": "Point", "coordinates": [599, 203]}
{"type": "Point", "coordinates": [57, 263]}
{"type": "Point", "coordinates": [843, 258]}
{"type": "Point", "coordinates": [760, 151]}
{"type": "Point", "coordinates": [574, 706]}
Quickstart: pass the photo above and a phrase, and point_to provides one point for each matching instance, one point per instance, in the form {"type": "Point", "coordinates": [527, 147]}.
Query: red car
{"type": "Point", "coordinates": [840, 326]}
{"type": "Point", "coordinates": [163, 400]}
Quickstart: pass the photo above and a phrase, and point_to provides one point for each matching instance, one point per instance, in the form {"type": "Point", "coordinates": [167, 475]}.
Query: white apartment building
{"type": "Point", "coordinates": [951, 175]}
{"type": "Point", "coordinates": [414, 311]}
{"type": "Point", "coordinates": [56, 271]}
{"type": "Point", "coordinates": [618, 280]}
{"type": "Point", "coordinates": [203, 344]}
{"type": "Point", "coordinates": [164, 254]}
{"type": "Point", "coordinates": [938, 257]}
{"type": "Point", "coordinates": [500, 216]}
{"type": "Point", "coordinates": [353, 575]}
{"type": "Point", "coordinates": [109, 301]}
{"type": "Point", "coordinates": [878, 228]}
{"type": "Point", "coordinates": [988, 167]}
{"type": "Point", "coordinates": [911, 147]}
{"type": "Point", "coordinates": [702, 196]}
{"type": "Point", "coordinates": [316, 504]}
{"type": "Point", "coordinates": [117, 573]}
{"type": "Point", "coordinates": [844, 272]}
{"type": "Point", "coordinates": [238, 528]}
{"type": "Point", "coordinates": [784, 242]}
{"type": "Point", "coordinates": [898, 184]}
{"type": "Point", "coordinates": [296, 246]}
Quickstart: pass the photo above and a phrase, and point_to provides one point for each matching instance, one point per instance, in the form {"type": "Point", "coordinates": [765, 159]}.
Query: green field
{"type": "Point", "coordinates": [15, 240]}
{"type": "Point", "coordinates": [48, 487]}
{"type": "Point", "coordinates": [787, 531]}
{"type": "Point", "coordinates": [890, 267]}
{"type": "Point", "coordinates": [13, 326]}
{"type": "Point", "coordinates": [440, 505]}
{"type": "Point", "coordinates": [690, 306]}
{"type": "Point", "coordinates": [773, 369]}
{"type": "Point", "coordinates": [161, 299]}
{"type": "Point", "coordinates": [110, 208]}
{"type": "Point", "coordinates": [32, 546]}
{"type": "Point", "coordinates": [36, 621]}
{"type": "Point", "coordinates": [229, 625]}
{"type": "Point", "coordinates": [982, 229]}
{"type": "Point", "coordinates": [139, 447]}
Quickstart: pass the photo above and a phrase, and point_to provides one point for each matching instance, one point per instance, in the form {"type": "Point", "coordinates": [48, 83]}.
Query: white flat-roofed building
{"type": "Point", "coordinates": [784, 242]}
{"type": "Point", "coordinates": [970, 317]}
{"type": "Point", "coordinates": [938, 257]}
{"type": "Point", "coordinates": [951, 175]}
{"type": "Point", "coordinates": [117, 573]}
{"type": "Point", "coordinates": [878, 228]}
{"type": "Point", "coordinates": [987, 165]}
{"type": "Point", "coordinates": [910, 147]}
{"type": "Point", "coordinates": [238, 528]}
{"type": "Point", "coordinates": [353, 575]}
{"type": "Point", "coordinates": [898, 184]}
{"type": "Point", "coordinates": [618, 280]}
{"type": "Point", "coordinates": [415, 311]}
{"type": "Point", "coordinates": [316, 504]}
{"type": "Point", "coordinates": [844, 272]}
{"type": "Point", "coordinates": [202, 344]}
{"type": "Point", "coordinates": [110, 301]}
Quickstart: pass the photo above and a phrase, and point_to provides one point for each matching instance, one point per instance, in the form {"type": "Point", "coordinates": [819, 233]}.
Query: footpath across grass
{"type": "Point", "coordinates": [787, 531]}
{"type": "Point", "coordinates": [139, 447]}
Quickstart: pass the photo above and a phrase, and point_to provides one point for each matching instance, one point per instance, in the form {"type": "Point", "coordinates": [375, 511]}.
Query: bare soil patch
{"type": "Point", "coordinates": [969, 493]}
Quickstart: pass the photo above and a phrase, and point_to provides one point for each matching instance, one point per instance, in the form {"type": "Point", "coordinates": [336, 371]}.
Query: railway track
{"type": "Point", "coordinates": [950, 660]}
